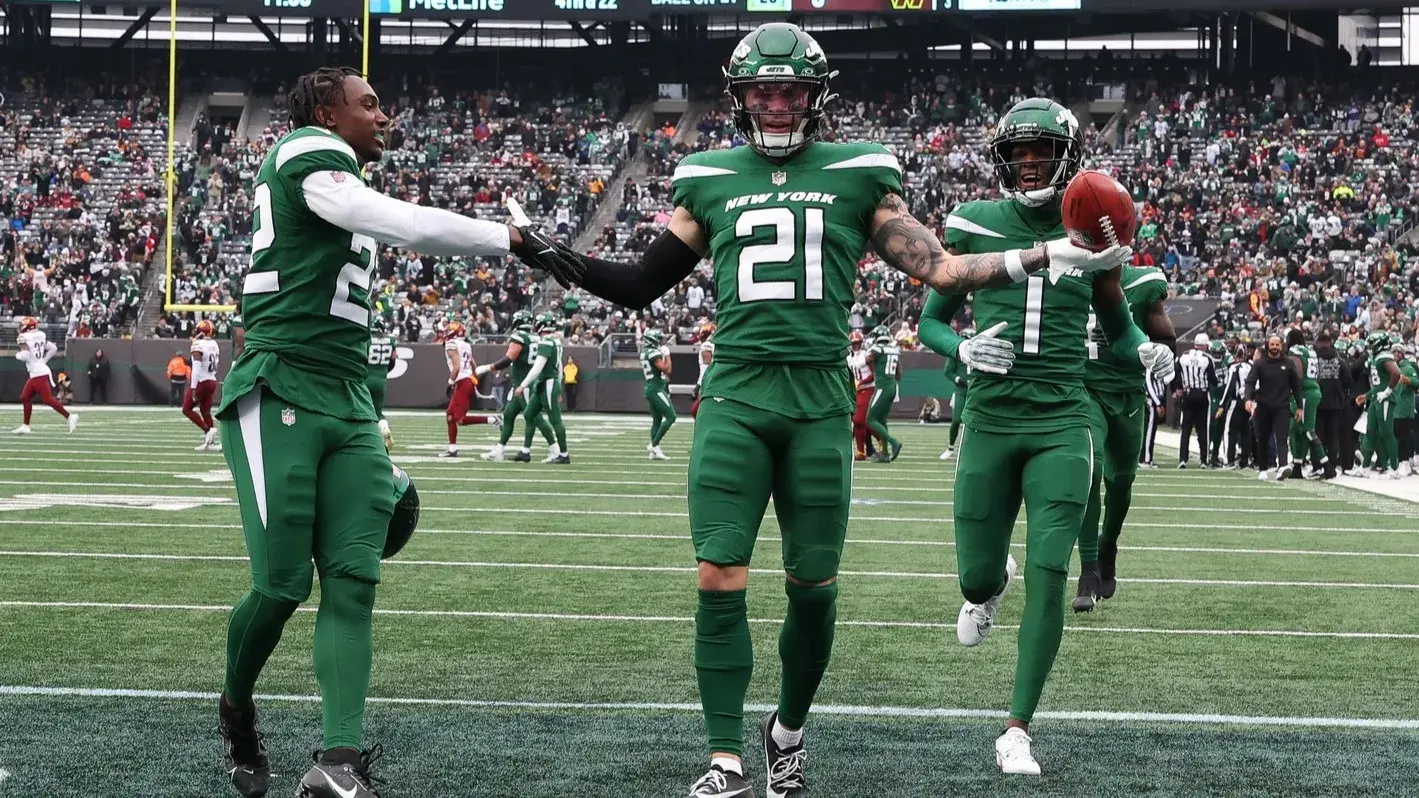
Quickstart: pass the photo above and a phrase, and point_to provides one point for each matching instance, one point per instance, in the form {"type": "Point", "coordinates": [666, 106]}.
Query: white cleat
{"type": "Point", "coordinates": [974, 622]}
{"type": "Point", "coordinates": [656, 454]}
{"type": "Point", "coordinates": [553, 453]}
{"type": "Point", "coordinates": [1263, 475]}
{"type": "Point", "coordinates": [23, 429]}
{"type": "Point", "coordinates": [73, 421]}
{"type": "Point", "coordinates": [202, 447]}
{"type": "Point", "coordinates": [946, 455]}
{"type": "Point", "coordinates": [496, 422]}
{"type": "Point", "coordinates": [1012, 753]}
{"type": "Point", "coordinates": [494, 454]}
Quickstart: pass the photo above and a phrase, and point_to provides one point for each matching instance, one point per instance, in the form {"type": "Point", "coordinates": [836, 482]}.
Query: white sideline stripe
{"type": "Point", "coordinates": [858, 541]}
{"type": "Point", "coordinates": [825, 709]}
{"type": "Point", "coordinates": [685, 569]}
{"type": "Point", "coordinates": [686, 619]}
{"type": "Point", "coordinates": [221, 486]}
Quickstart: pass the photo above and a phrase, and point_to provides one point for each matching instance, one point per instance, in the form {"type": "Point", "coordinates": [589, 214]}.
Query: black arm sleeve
{"type": "Point", "coordinates": [667, 261]}
{"type": "Point", "coordinates": [500, 364]}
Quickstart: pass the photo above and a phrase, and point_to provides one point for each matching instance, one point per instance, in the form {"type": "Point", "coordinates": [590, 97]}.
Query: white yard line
{"type": "Point", "coordinates": [825, 709]}
{"type": "Point", "coordinates": [689, 569]}
{"type": "Point", "coordinates": [607, 618]}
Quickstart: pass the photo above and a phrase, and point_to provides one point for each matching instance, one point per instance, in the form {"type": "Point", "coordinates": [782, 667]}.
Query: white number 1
{"type": "Point", "coordinates": [1034, 308]}
{"type": "Point", "coordinates": [783, 249]}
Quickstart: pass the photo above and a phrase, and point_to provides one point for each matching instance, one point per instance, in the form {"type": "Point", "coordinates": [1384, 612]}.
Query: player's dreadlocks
{"type": "Point", "coordinates": [315, 89]}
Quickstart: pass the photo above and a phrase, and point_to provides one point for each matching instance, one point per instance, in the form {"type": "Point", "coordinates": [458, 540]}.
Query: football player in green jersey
{"type": "Point", "coordinates": [383, 357]}
{"type": "Point", "coordinates": [519, 356]}
{"type": "Point", "coordinates": [543, 388]}
{"type": "Point", "coordinates": [1303, 436]}
{"type": "Point", "coordinates": [958, 374]}
{"type": "Point", "coordinates": [884, 358]}
{"type": "Point", "coordinates": [1221, 359]}
{"type": "Point", "coordinates": [784, 221]}
{"type": "Point", "coordinates": [313, 482]}
{"type": "Point", "coordinates": [1385, 378]}
{"type": "Point", "coordinates": [1028, 436]}
{"type": "Point", "coordinates": [655, 366]}
{"type": "Point", "coordinates": [1118, 411]}
{"type": "Point", "coordinates": [1404, 410]}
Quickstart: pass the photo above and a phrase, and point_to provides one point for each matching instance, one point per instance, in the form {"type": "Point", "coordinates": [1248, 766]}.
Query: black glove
{"type": "Point", "coordinates": [540, 251]}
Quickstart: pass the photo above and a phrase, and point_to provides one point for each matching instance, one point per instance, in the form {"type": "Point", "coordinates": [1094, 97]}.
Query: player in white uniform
{"type": "Point", "coordinates": [202, 385]}
{"type": "Point", "coordinates": [35, 352]}
{"type": "Point", "coordinates": [865, 378]}
{"type": "Point", "coordinates": [706, 360]}
{"type": "Point", "coordinates": [461, 385]}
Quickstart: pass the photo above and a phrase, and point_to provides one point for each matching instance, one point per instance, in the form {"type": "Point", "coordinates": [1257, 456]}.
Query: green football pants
{"type": "Point", "coordinates": [662, 414]}
{"type": "Point", "coordinates": [1379, 430]}
{"type": "Point", "coordinates": [517, 406]}
{"type": "Point", "coordinates": [1303, 436]}
{"type": "Point", "coordinates": [378, 387]}
{"type": "Point", "coordinates": [878, 411]}
{"type": "Point", "coordinates": [1050, 473]}
{"type": "Point", "coordinates": [316, 494]}
{"type": "Point", "coordinates": [958, 406]}
{"type": "Point", "coordinates": [543, 405]}
{"type": "Point", "coordinates": [741, 456]}
{"type": "Point", "coordinates": [1116, 424]}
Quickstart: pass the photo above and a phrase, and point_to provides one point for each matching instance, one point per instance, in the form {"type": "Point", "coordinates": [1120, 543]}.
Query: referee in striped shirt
{"type": "Point", "coordinates": [1196, 377]}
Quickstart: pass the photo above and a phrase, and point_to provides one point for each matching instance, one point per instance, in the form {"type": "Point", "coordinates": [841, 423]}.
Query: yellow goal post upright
{"type": "Point", "coordinates": [170, 176]}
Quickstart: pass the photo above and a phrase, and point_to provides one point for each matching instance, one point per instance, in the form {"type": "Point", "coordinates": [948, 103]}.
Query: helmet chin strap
{"type": "Point", "coordinates": [1036, 198]}
{"type": "Point", "coordinates": [781, 145]}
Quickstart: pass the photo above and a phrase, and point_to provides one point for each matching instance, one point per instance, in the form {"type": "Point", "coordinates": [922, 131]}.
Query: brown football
{"type": "Point", "coordinates": [1098, 212]}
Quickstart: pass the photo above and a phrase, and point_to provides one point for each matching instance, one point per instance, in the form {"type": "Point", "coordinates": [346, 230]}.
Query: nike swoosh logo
{"type": "Point", "coordinates": [1134, 413]}
{"type": "Point", "coordinates": [548, 249]}
{"type": "Point", "coordinates": [343, 793]}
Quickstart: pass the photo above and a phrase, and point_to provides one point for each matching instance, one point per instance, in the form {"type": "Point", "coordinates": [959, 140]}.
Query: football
{"type": "Point", "coordinates": [1098, 212]}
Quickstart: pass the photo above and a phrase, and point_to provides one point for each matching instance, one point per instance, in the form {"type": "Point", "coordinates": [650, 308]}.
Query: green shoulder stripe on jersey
{"type": "Point", "coordinates": [297, 145]}
{"type": "Point", "coordinates": [871, 160]}
{"type": "Point", "coordinates": [954, 222]}
{"type": "Point", "coordinates": [686, 171]}
{"type": "Point", "coordinates": [1150, 277]}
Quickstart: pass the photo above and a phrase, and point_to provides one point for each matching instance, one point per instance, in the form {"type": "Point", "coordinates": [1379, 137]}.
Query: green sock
{"type": "Point", "coordinates": [1039, 636]}
{"type": "Point", "coordinates": [665, 425]}
{"type": "Point", "coordinates": [1089, 532]}
{"type": "Point", "coordinates": [344, 647]}
{"type": "Point", "coordinates": [804, 645]}
{"type": "Point", "coordinates": [724, 663]}
{"type": "Point", "coordinates": [559, 429]}
{"type": "Point", "coordinates": [955, 430]}
{"type": "Point", "coordinates": [510, 411]}
{"type": "Point", "coordinates": [545, 427]}
{"type": "Point", "coordinates": [529, 429]}
{"type": "Point", "coordinates": [253, 630]}
{"type": "Point", "coordinates": [1118, 496]}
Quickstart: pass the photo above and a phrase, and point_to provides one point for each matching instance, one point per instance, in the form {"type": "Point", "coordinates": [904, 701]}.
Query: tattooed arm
{"type": "Point", "coordinates": [909, 247]}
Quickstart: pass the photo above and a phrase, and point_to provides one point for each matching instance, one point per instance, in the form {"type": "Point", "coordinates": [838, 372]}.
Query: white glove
{"type": "Point", "coordinates": [987, 353]}
{"type": "Point", "coordinates": [481, 370]}
{"type": "Point", "coordinates": [1383, 396]}
{"type": "Point", "coordinates": [1063, 256]}
{"type": "Point", "coordinates": [1157, 360]}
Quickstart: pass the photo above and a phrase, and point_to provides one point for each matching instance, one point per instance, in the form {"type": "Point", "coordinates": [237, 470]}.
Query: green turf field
{"type": "Point", "coordinates": [534, 639]}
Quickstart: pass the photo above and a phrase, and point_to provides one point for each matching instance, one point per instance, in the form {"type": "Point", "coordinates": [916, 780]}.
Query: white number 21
{"type": "Point", "coordinates": [783, 250]}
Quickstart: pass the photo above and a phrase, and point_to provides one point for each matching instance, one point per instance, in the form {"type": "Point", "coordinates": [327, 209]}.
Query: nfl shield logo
{"type": "Point", "coordinates": [779, 178]}
{"type": "Point", "coordinates": [288, 416]}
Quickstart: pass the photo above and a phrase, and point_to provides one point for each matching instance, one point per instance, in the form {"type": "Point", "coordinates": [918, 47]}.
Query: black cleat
{"type": "Point", "coordinates": [448, 453]}
{"type": "Point", "coordinates": [332, 779]}
{"type": "Point", "coordinates": [784, 765]}
{"type": "Point", "coordinates": [896, 450]}
{"type": "Point", "coordinates": [243, 752]}
{"type": "Point", "coordinates": [721, 784]}
{"type": "Point", "coordinates": [1108, 561]}
{"type": "Point", "coordinates": [1088, 587]}
{"type": "Point", "coordinates": [522, 457]}
{"type": "Point", "coordinates": [563, 459]}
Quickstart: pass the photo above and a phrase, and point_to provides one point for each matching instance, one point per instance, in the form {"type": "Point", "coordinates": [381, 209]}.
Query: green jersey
{"type": "Point", "coordinates": [1379, 375]}
{"type": "Point", "coordinates": [654, 377]}
{"type": "Point", "coordinates": [785, 240]}
{"type": "Point", "coordinates": [523, 364]}
{"type": "Point", "coordinates": [382, 354]}
{"type": "Point", "coordinates": [1307, 358]}
{"type": "Point", "coordinates": [1105, 371]}
{"type": "Point", "coordinates": [549, 347]}
{"type": "Point", "coordinates": [1046, 319]}
{"type": "Point", "coordinates": [1404, 394]}
{"type": "Point", "coordinates": [886, 357]}
{"type": "Point", "coordinates": [305, 298]}
{"type": "Point", "coordinates": [956, 372]}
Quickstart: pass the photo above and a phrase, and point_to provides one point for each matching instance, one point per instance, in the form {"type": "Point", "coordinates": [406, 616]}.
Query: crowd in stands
{"type": "Point", "coordinates": [81, 199]}
{"type": "Point", "coordinates": [1282, 201]}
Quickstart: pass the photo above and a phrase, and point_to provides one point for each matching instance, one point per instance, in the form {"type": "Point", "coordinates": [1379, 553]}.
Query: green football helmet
{"type": "Point", "coordinates": [378, 325]}
{"type": "Point", "coordinates": [1037, 119]}
{"type": "Point", "coordinates": [778, 58]}
{"type": "Point", "coordinates": [880, 333]}
{"type": "Point", "coordinates": [1377, 342]}
{"type": "Point", "coordinates": [522, 320]}
{"type": "Point", "coordinates": [406, 514]}
{"type": "Point", "coordinates": [653, 337]}
{"type": "Point", "coordinates": [544, 323]}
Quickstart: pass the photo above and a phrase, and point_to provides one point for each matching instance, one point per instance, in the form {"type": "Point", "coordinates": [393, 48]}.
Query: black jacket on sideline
{"type": "Point", "coordinates": [1273, 383]}
{"type": "Point", "coordinates": [1333, 374]}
